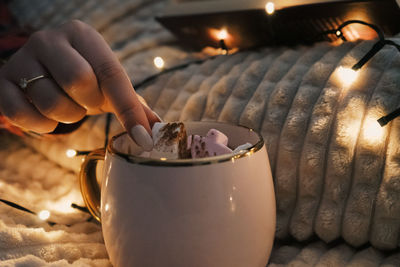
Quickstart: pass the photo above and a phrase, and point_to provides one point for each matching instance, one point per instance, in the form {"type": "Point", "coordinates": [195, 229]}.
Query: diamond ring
{"type": "Point", "coordinates": [24, 82]}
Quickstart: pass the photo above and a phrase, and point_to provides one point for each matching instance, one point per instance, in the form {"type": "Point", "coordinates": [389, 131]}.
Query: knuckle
{"type": "Point", "coordinates": [47, 107]}
{"type": "Point", "coordinates": [60, 110]}
{"type": "Point", "coordinates": [126, 114]}
{"type": "Point", "coordinates": [39, 39]}
{"type": "Point", "coordinates": [12, 113]}
{"type": "Point", "coordinates": [80, 83]}
{"type": "Point", "coordinates": [76, 26]}
{"type": "Point", "coordinates": [77, 77]}
{"type": "Point", "coordinates": [108, 70]}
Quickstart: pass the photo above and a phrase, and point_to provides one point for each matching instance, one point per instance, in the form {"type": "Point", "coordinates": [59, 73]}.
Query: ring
{"type": "Point", "coordinates": [24, 82]}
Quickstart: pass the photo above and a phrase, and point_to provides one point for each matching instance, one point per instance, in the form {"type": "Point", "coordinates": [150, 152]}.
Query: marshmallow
{"type": "Point", "coordinates": [241, 148]}
{"type": "Point", "coordinates": [217, 137]}
{"type": "Point", "coordinates": [213, 144]}
{"type": "Point", "coordinates": [169, 140]}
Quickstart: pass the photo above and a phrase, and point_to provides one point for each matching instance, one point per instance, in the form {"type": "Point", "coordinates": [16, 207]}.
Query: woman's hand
{"type": "Point", "coordinates": [82, 76]}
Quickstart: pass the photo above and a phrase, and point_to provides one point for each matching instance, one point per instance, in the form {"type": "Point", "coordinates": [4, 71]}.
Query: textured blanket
{"type": "Point", "coordinates": [336, 174]}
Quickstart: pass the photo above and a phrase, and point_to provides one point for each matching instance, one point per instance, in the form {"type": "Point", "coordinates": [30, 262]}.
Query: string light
{"type": "Point", "coordinates": [44, 215]}
{"type": "Point", "coordinates": [347, 75]}
{"type": "Point", "coordinates": [372, 131]}
{"type": "Point", "coordinates": [222, 34]}
{"type": "Point", "coordinates": [70, 153]}
{"type": "Point", "coordinates": [159, 62]}
{"type": "Point", "coordinates": [270, 8]}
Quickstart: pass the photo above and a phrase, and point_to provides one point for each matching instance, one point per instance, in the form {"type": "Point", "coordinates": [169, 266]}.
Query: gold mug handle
{"type": "Point", "coordinates": [90, 188]}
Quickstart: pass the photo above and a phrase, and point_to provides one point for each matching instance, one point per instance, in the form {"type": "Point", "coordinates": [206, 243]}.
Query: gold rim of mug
{"type": "Point", "coordinates": [187, 162]}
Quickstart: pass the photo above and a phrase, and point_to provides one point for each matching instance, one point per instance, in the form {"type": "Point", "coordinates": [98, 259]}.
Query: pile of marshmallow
{"type": "Point", "coordinates": [171, 142]}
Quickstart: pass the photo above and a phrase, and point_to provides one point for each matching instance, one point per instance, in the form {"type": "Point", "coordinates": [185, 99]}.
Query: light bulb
{"type": "Point", "coordinates": [347, 75]}
{"type": "Point", "coordinates": [270, 8]}
{"type": "Point", "coordinates": [372, 131]}
{"type": "Point", "coordinates": [44, 215]}
{"type": "Point", "coordinates": [71, 153]}
{"type": "Point", "coordinates": [159, 62]}
{"type": "Point", "coordinates": [338, 33]}
{"type": "Point", "coordinates": [222, 34]}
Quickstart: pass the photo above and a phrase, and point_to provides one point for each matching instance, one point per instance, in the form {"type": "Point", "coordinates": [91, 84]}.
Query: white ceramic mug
{"type": "Point", "coordinates": [216, 211]}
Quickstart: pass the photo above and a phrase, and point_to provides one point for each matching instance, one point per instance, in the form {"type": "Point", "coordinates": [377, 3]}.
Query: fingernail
{"type": "Point", "coordinates": [142, 137]}
{"type": "Point", "coordinates": [158, 116]}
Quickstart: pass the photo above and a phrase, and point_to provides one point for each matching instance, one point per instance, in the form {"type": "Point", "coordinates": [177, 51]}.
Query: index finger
{"type": "Point", "coordinates": [112, 79]}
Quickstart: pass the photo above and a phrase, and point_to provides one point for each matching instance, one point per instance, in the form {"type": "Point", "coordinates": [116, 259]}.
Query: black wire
{"type": "Point", "coordinates": [177, 67]}
{"type": "Point", "coordinates": [355, 21]}
{"type": "Point", "coordinates": [83, 209]}
{"type": "Point", "coordinates": [16, 206]}
{"type": "Point", "coordinates": [390, 42]}
{"type": "Point", "coordinates": [19, 207]}
{"type": "Point", "coordinates": [375, 49]}
{"type": "Point", "coordinates": [107, 129]}
{"type": "Point", "coordinates": [391, 116]}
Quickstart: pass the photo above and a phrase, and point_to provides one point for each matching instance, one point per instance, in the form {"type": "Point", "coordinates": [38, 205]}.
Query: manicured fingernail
{"type": "Point", "coordinates": [158, 116]}
{"type": "Point", "coordinates": [142, 137]}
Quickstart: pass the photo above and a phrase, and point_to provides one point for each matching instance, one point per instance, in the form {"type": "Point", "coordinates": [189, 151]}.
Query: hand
{"type": "Point", "coordinates": [83, 76]}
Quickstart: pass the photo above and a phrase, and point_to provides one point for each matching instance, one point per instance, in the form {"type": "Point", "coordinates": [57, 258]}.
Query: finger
{"type": "Point", "coordinates": [113, 81]}
{"type": "Point", "coordinates": [17, 109]}
{"type": "Point", "coordinates": [151, 115]}
{"type": "Point", "coordinates": [45, 94]}
{"type": "Point", "coordinates": [68, 68]}
{"type": "Point", "coordinates": [53, 103]}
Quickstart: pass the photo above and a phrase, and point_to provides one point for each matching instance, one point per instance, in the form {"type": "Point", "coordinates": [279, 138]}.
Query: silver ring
{"type": "Point", "coordinates": [24, 82]}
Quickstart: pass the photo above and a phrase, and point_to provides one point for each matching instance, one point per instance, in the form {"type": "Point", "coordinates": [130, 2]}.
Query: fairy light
{"type": "Point", "coordinates": [270, 8]}
{"type": "Point", "coordinates": [44, 215]}
{"type": "Point", "coordinates": [70, 153]}
{"type": "Point", "coordinates": [222, 34]}
{"type": "Point", "coordinates": [338, 33]}
{"type": "Point", "coordinates": [347, 75]}
{"type": "Point", "coordinates": [372, 130]}
{"type": "Point", "coordinates": [159, 62]}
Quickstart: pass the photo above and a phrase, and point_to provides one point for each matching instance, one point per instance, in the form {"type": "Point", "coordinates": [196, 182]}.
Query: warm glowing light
{"type": "Point", "coordinates": [347, 75]}
{"type": "Point", "coordinates": [70, 153]}
{"type": "Point", "coordinates": [373, 131]}
{"type": "Point", "coordinates": [159, 62]}
{"type": "Point", "coordinates": [222, 34]}
{"type": "Point", "coordinates": [106, 207]}
{"type": "Point", "coordinates": [44, 215]}
{"type": "Point", "coordinates": [270, 8]}
{"type": "Point", "coordinates": [338, 33]}
{"type": "Point", "coordinates": [163, 159]}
